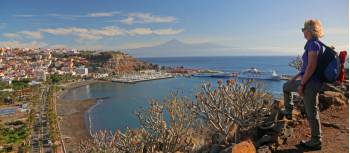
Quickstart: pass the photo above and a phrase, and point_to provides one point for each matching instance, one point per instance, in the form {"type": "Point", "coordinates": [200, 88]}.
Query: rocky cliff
{"type": "Point", "coordinates": [115, 62]}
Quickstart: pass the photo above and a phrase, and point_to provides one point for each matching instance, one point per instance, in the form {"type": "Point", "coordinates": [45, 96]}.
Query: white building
{"type": "Point", "coordinates": [82, 71]}
{"type": "Point", "coordinates": [101, 75]}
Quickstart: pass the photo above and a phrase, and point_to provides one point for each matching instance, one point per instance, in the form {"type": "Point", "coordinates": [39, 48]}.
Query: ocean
{"type": "Point", "coordinates": [118, 110]}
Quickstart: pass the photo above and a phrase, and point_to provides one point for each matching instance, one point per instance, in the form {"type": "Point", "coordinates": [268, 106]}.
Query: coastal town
{"type": "Point", "coordinates": [29, 80]}
{"type": "Point", "coordinates": [37, 64]}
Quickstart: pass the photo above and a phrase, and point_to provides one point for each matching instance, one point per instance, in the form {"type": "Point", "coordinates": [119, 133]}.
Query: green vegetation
{"type": "Point", "coordinates": [14, 136]}
{"type": "Point", "coordinates": [3, 85]}
{"type": "Point", "coordinates": [57, 78]}
{"type": "Point", "coordinates": [16, 84]}
{"type": "Point", "coordinates": [13, 132]}
{"type": "Point", "coordinates": [20, 84]}
{"type": "Point", "coordinates": [52, 116]}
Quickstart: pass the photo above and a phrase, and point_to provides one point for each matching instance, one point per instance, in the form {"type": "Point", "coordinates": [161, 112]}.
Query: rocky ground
{"type": "Point", "coordinates": [335, 128]}
{"type": "Point", "coordinates": [334, 119]}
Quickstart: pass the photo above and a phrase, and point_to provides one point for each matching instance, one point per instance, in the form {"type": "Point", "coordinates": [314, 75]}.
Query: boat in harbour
{"type": "Point", "coordinates": [254, 73]}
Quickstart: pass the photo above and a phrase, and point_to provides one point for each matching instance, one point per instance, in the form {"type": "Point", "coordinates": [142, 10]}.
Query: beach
{"type": "Point", "coordinates": [72, 121]}
{"type": "Point", "coordinates": [71, 115]}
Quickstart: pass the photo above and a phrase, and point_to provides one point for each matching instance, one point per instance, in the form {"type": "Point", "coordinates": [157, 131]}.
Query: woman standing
{"type": "Point", "coordinates": [306, 84]}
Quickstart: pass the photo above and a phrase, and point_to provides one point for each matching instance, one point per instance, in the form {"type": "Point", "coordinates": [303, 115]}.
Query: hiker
{"type": "Point", "coordinates": [306, 83]}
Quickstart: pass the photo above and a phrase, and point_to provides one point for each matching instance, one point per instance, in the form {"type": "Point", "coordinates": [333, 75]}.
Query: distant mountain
{"type": "Point", "coordinates": [176, 48]}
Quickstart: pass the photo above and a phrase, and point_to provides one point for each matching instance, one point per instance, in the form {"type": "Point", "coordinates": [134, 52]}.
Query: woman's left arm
{"type": "Point", "coordinates": [311, 67]}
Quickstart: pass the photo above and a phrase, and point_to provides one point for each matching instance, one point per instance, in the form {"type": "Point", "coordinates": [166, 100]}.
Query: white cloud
{"type": "Point", "coordinates": [129, 20]}
{"type": "Point", "coordinates": [111, 31]}
{"type": "Point", "coordinates": [64, 31]}
{"type": "Point", "coordinates": [168, 31]}
{"type": "Point", "coordinates": [103, 14]}
{"type": "Point", "coordinates": [89, 15]}
{"type": "Point", "coordinates": [64, 16]}
{"type": "Point", "coordinates": [24, 15]}
{"type": "Point", "coordinates": [86, 34]}
{"type": "Point", "coordinates": [32, 44]}
{"type": "Point", "coordinates": [107, 31]}
{"type": "Point", "coordinates": [11, 35]}
{"type": "Point", "coordinates": [28, 34]}
{"type": "Point", "coordinates": [82, 34]}
{"type": "Point", "coordinates": [140, 31]}
{"type": "Point", "coordinates": [147, 18]}
{"type": "Point", "coordinates": [148, 31]}
{"type": "Point", "coordinates": [32, 34]}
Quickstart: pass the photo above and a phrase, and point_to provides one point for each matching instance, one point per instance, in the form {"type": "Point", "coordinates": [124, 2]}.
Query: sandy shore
{"type": "Point", "coordinates": [71, 114]}
{"type": "Point", "coordinates": [72, 121]}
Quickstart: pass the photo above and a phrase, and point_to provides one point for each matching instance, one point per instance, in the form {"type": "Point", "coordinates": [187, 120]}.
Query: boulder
{"type": "Point", "coordinates": [329, 98]}
{"type": "Point", "coordinates": [244, 147]}
{"type": "Point", "coordinates": [331, 87]}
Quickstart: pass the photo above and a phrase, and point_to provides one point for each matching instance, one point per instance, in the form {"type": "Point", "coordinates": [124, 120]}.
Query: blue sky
{"type": "Point", "coordinates": [253, 25]}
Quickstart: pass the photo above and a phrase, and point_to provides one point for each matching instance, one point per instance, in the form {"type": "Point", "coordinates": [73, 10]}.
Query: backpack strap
{"type": "Point", "coordinates": [323, 44]}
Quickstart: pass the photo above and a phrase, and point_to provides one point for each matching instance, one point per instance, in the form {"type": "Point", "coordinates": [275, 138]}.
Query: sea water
{"type": "Point", "coordinates": [118, 110]}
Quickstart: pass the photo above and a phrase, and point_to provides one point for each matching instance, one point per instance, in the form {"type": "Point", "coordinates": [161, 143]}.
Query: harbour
{"type": "Point", "coordinates": [134, 78]}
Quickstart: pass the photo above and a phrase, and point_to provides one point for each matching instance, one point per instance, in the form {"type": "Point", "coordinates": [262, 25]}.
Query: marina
{"type": "Point", "coordinates": [134, 78]}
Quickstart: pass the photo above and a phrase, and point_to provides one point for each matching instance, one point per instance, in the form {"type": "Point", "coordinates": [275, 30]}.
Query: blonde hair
{"type": "Point", "coordinates": [315, 27]}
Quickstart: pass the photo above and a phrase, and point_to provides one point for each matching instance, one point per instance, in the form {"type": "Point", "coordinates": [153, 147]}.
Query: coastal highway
{"type": "Point", "coordinates": [40, 139]}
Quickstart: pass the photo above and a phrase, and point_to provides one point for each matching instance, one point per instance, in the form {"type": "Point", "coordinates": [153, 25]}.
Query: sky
{"type": "Point", "coordinates": [251, 25]}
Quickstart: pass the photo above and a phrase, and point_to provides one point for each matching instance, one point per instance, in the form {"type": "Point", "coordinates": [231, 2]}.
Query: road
{"type": "Point", "coordinates": [40, 138]}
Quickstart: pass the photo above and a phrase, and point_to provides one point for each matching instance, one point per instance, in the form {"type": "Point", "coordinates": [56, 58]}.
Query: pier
{"type": "Point", "coordinates": [142, 77]}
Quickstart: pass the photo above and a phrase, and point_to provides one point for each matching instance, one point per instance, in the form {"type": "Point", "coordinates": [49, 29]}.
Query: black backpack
{"type": "Point", "coordinates": [328, 65]}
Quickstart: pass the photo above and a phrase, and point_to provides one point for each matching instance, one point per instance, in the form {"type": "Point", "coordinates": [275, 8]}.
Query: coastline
{"type": "Point", "coordinates": [88, 124]}
{"type": "Point", "coordinates": [71, 85]}
{"type": "Point", "coordinates": [74, 114]}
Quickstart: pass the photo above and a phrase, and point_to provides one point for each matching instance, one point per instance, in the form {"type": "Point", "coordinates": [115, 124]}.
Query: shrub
{"type": "Point", "coordinates": [296, 63]}
{"type": "Point", "coordinates": [231, 108]}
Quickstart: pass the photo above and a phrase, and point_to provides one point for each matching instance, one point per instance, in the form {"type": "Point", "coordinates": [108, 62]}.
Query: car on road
{"type": "Point", "coordinates": [47, 143]}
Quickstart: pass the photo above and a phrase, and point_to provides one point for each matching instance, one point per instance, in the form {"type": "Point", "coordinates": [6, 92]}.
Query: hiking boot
{"type": "Point", "coordinates": [311, 144]}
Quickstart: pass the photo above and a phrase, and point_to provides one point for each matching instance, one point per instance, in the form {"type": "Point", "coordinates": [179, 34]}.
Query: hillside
{"type": "Point", "coordinates": [115, 62]}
